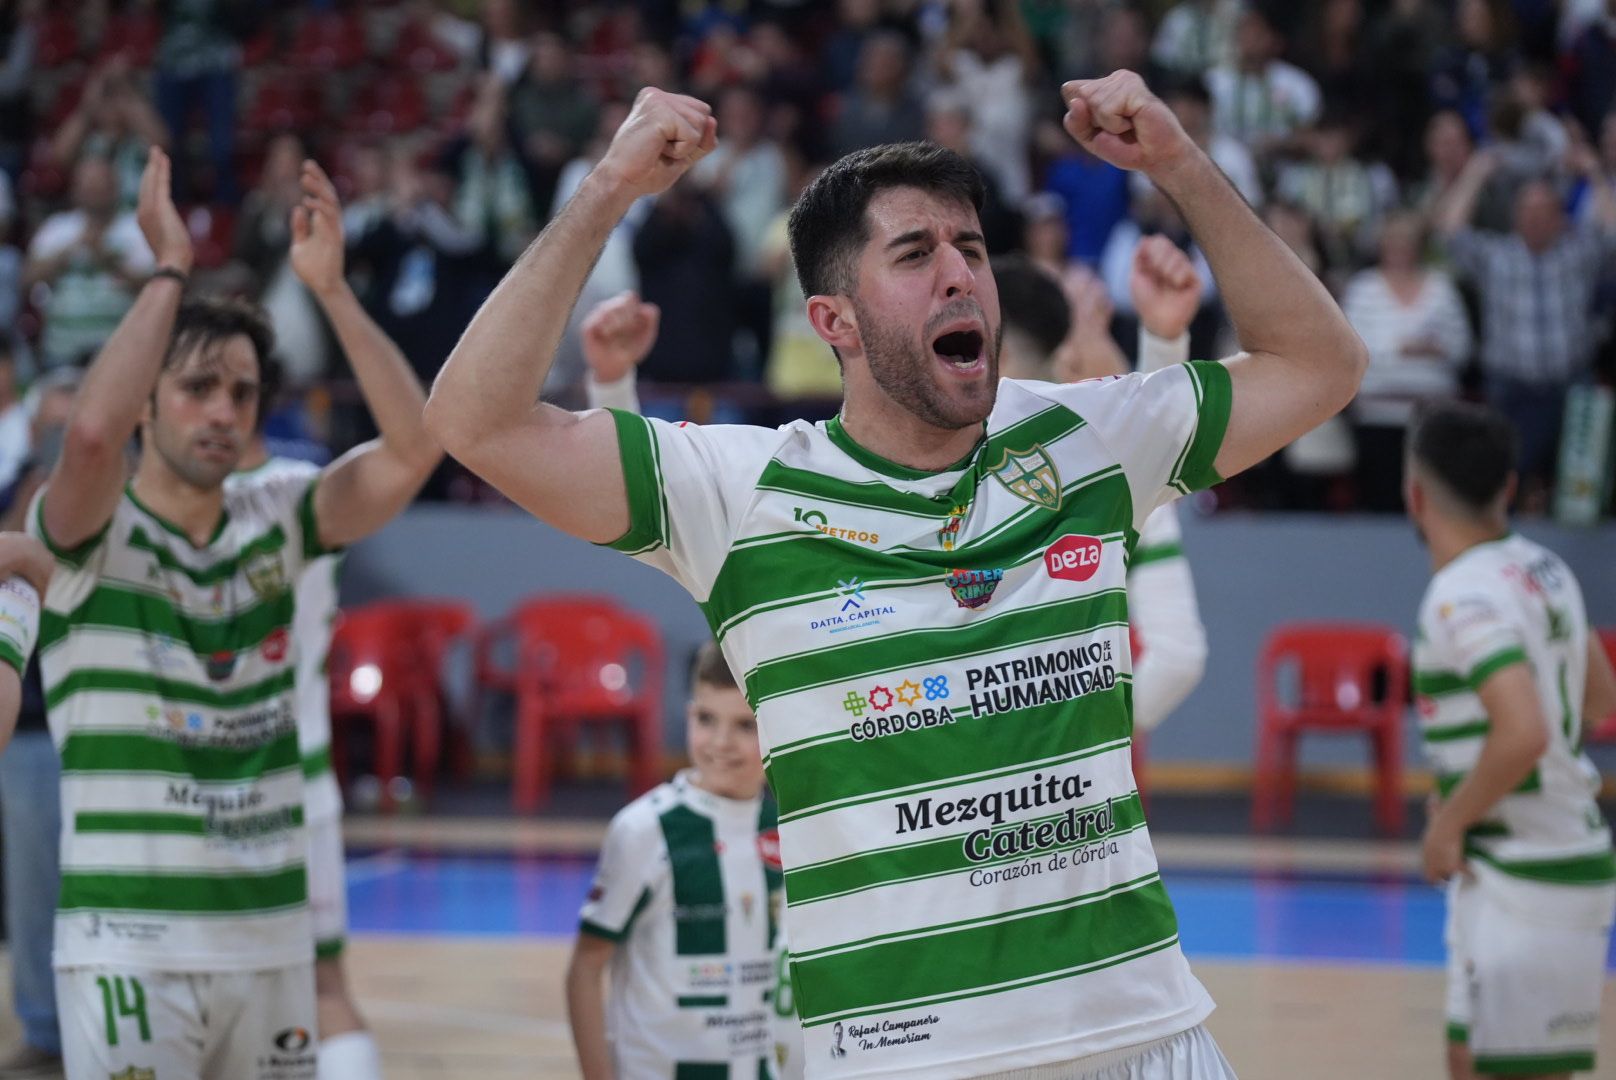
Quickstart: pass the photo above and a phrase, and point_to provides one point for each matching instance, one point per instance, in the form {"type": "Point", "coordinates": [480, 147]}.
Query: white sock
{"type": "Point", "coordinates": [350, 1056]}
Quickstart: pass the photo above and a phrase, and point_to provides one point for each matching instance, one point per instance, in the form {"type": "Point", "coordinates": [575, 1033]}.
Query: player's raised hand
{"type": "Point", "coordinates": [664, 135]}
{"type": "Point", "coordinates": [317, 251]}
{"type": "Point", "coordinates": [159, 220]}
{"type": "Point", "coordinates": [1119, 120]}
{"type": "Point", "coordinates": [1165, 286]}
{"type": "Point", "coordinates": [618, 334]}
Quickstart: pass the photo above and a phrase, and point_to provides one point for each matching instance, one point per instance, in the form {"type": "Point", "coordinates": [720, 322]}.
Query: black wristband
{"type": "Point", "coordinates": [170, 272]}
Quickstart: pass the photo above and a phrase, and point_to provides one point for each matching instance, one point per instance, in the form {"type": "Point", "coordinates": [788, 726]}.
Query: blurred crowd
{"type": "Point", "coordinates": [1448, 168]}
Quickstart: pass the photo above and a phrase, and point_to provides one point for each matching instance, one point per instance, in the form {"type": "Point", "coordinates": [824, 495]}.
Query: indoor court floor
{"type": "Point", "coordinates": [1324, 956]}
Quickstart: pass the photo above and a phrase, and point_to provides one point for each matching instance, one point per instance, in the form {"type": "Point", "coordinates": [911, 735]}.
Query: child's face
{"type": "Point", "coordinates": [723, 740]}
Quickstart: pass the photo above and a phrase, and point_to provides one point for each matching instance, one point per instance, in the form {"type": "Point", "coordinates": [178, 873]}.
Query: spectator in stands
{"type": "Point", "coordinates": [948, 124]}
{"type": "Point", "coordinates": [365, 201]}
{"type": "Point", "coordinates": [92, 259]}
{"type": "Point", "coordinates": [1257, 97]}
{"type": "Point", "coordinates": [792, 87]}
{"type": "Point", "coordinates": [261, 265]}
{"type": "Point", "coordinates": [494, 199]}
{"type": "Point", "coordinates": [1465, 72]}
{"type": "Point", "coordinates": [1590, 67]}
{"type": "Point", "coordinates": [112, 120]}
{"type": "Point", "coordinates": [1334, 49]}
{"type": "Point", "coordinates": [11, 277]}
{"type": "Point", "coordinates": [1153, 213]}
{"type": "Point", "coordinates": [1095, 192]}
{"type": "Point", "coordinates": [198, 62]}
{"type": "Point", "coordinates": [1585, 197]}
{"type": "Point", "coordinates": [1192, 104]}
{"type": "Point", "coordinates": [1196, 36]}
{"type": "Point", "coordinates": [1418, 335]}
{"type": "Point", "coordinates": [496, 43]}
{"type": "Point", "coordinates": [686, 258]}
{"type": "Point", "coordinates": [1345, 197]}
{"type": "Point", "coordinates": [746, 174]}
{"type": "Point", "coordinates": [856, 22]}
{"type": "Point", "coordinates": [1045, 236]}
{"type": "Point", "coordinates": [16, 439]}
{"type": "Point", "coordinates": [417, 259]}
{"type": "Point", "coordinates": [880, 108]}
{"type": "Point", "coordinates": [552, 111]}
{"type": "Point", "coordinates": [1402, 42]}
{"type": "Point", "coordinates": [1447, 148]}
{"type": "Point", "coordinates": [988, 57]}
{"type": "Point", "coordinates": [801, 365]}
{"type": "Point", "coordinates": [1536, 285]}
{"type": "Point", "coordinates": [18, 40]}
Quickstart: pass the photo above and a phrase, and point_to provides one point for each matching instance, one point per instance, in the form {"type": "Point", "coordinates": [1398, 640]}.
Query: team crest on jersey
{"type": "Point", "coordinates": [133, 1073]}
{"type": "Point", "coordinates": [266, 574]}
{"type": "Point", "coordinates": [1030, 474]}
{"type": "Point", "coordinates": [948, 535]}
{"type": "Point", "coordinates": [768, 847]}
{"type": "Point", "coordinates": [973, 588]}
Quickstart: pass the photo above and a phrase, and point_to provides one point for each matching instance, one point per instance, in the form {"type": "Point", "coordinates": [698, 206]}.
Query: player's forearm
{"type": "Point", "coordinates": [586, 1013]}
{"type": "Point", "coordinates": [1507, 758]}
{"type": "Point", "coordinates": [1277, 306]}
{"type": "Point", "coordinates": [1162, 598]}
{"type": "Point", "coordinates": [390, 387]}
{"type": "Point", "coordinates": [10, 704]}
{"type": "Point", "coordinates": [492, 379]}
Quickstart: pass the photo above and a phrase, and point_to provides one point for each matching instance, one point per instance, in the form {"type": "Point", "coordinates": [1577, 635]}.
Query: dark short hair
{"type": "Point", "coordinates": [828, 225]}
{"type": "Point", "coordinates": [208, 320]}
{"type": "Point", "coordinates": [1469, 448]}
{"type": "Point", "coordinates": [1192, 87]}
{"type": "Point", "coordinates": [1031, 302]}
{"type": "Point", "coordinates": [711, 669]}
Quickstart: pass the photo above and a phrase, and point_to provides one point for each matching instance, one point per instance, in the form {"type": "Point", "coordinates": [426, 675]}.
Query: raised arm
{"type": "Point", "coordinates": [1458, 204]}
{"type": "Point", "coordinates": [85, 484]}
{"type": "Point", "coordinates": [1301, 361]}
{"type": "Point", "coordinates": [365, 488]}
{"type": "Point", "coordinates": [562, 467]}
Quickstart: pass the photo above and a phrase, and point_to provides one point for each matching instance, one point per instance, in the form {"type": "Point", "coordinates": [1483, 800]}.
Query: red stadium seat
{"type": "Point", "coordinates": [213, 230]}
{"type": "Point", "coordinates": [58, 40]}
{"type": "Point", "coordinates": [577, 660]}
{"type": "Point", "coordinates": [1351, 678]}
{"type": "Point", "coordinates": [1603, 729]}
{"type": "Point", "coordinates": [385, 667]}
{"type": "Point", "coordinates": [134, 34]}
{"type": "Point", "coordinates": [329, 41]}
{"type": "Point", "coordinates": [390, 105]}
{"type": "Point", "coordinates": [285, 102]}
{"type": "Point", "coordinates": [417, 49]}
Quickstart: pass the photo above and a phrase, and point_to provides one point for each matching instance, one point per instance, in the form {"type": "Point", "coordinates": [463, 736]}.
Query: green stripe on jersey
{"type": "Point", "coordinates": [1595, 869]}
{"type": "Point", "coordinates": [1470, 729]}
{"type": "Point", "coordinates": [233, 826]}
{"type": "Point", "coordinates": [88, 679]}
{"type": "Point", "coordinates": [1446, 782]}
{"type": "Point", "coordinates": [936, 646]}
{"type": "Point", "coordinates": [698, 882]}
{"type": "Point", "coordinates": [976, 957]}
{"type": "Point", "coordinates": [316, 762]}
{"type": "Point", "coordinates": [1214, 398]}
{"type": "Point", "coordinates": [130, 752]}
{"type": "Point", "coordinates": [114, 607]}
{"type": "Point", "coordinates": [1499, 660]}
{"type": "Point", "coordinates": [700, 1070]}
{"type": "Point", "coordinates": [642, 479]}
{"type": "Point", "coordinates": [155, 892]}
{"type": "Point", "coordinates": [223, 570]}
{"type": "Point", "coordinates": [1439, 683]}
{"type": "Point", "coordinates": [1534, 1064]}
{"type": "Point", "coordinates": [13, 656]}
{"type": "Point", "coordinates": [944, 855]}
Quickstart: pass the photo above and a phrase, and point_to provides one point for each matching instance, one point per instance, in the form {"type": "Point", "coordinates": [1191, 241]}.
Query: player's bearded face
{"type": "Point", "coordinates": [913, 366]}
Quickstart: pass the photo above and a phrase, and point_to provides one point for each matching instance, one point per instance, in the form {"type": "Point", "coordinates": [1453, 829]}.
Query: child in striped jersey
{"type": "Point", "coordinates": [684, 911]}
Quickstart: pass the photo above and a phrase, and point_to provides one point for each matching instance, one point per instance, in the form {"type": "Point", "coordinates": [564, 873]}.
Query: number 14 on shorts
{"type": "Point", "coordinates": [123, 999]}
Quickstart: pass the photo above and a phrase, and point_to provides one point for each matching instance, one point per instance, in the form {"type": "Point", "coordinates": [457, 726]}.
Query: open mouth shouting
{"type": "Point", "coordinates": [962, 348]}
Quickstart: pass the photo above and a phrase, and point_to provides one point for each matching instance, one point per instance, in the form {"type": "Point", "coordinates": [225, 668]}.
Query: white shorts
{"type": "Point", "coordinates": [1189, 1055]}
{"type": "Point", "coordinates": [328, 886]}
{"type": "Point", "coordinates": [1526, 965]}
{"type": "Point", "coordinates": [145, 1025]}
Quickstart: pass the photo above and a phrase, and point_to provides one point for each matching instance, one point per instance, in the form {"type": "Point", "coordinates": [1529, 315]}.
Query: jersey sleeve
{"type": "Point", "coordinates": [81, 557]}
{"type": "Point", "coordinates": [1164, 429]}
{"type": "Point", "coordinates": [623, 878]}
{"type": "Point", "coordinates": [1476, 630]}
{"type": "Point", "coordinates": [1167, 619]}
{"type": "Point", "coordinates": [286, 496]}
{"type": "Point", "coordinates": [687, 486]}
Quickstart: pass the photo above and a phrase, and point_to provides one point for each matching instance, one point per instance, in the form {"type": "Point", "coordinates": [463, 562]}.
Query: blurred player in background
{"type": "Point", "coordinates": [25, 572]}
{"type": "Point", "coordinates": [684, 911]}
{"type": "Point", "coordinates": [184, 947]}
{"type": "Point", "coordinates": [1506, 672]}
{"type": "Point", "coordinates": [1060, 332]}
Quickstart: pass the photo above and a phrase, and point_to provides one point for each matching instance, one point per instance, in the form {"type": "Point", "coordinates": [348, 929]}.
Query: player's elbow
{"type": "Point", "coordinates": [450, 428]}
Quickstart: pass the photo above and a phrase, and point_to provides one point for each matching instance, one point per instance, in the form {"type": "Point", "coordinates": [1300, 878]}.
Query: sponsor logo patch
{"type": "Point", "coordinates": [973, 588]}
{"type": "Point", "coordinates": [1074, 557]}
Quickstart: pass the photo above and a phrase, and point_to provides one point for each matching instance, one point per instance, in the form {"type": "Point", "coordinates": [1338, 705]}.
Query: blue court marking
{"type": "Point", "coordinates": [1329, 918]}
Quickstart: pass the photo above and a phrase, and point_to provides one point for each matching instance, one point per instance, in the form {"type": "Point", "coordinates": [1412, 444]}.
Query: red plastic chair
{"type": "Point", "coordinates": [385, 667]}
{"type": "Point", "coordinates": [577, 660]}
{"type": "Point", "coordinates": [1351, 678]}
{"type": "Point", "coordinates": [1603, 729]}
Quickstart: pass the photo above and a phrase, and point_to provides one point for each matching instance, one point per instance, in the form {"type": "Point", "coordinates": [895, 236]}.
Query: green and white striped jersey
{"type": "Point", "coordinates": [168, 674]}
{"type": "Point", "coordinates": [315, 617]}
{"type": "Point", "coordinates": [689, 886]}
{"type": "Point", "coordinates": [940, 666]}
{"type": "Point", "coordinates": [1500, 603]}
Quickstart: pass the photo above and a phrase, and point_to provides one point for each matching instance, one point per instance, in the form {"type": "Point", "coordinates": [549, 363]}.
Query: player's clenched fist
{"type": "Point", "coordinates": [1165, 286]}
{"type": "Point", "coordinates": [1119, 120]}
{"type": "Point", "coordinates": [664, 135]}
{"type": "Point", "coordinates": [618, 334]}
